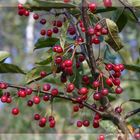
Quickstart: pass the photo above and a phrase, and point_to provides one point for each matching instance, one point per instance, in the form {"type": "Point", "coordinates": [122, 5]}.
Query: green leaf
{"type": "Point", "coordinates": [134, 3]}
{"type": "Point", "coordinates": [4, 55]}
{"type": "Point", "coordinates": [120, 18]}
{"type": "Point", "coordinates": [135, 100]}
{"type": "Point", "coordinates": [102, 10]}
{"type": "Point", "coordinates": [45, 42]}
{"type": "Point", "coordinates": [63, 34]}
{"type": "Point", "coordinates": [48, 5]}
{"type": "Point", "coordinates": [34, 74]}
{"type": "Point", "coordinates": [10, 68]}
{"type": "Point", "coordinates": [132, 67]}
{"type": "Point", "coordinates": [113, 38]}
{"type": "Point", "coordinates": [45, 62]}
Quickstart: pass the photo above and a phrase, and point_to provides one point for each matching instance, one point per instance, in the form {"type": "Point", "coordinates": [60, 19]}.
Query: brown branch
{"type": "Point", "coordinates": [86, 22]}
{"type": "Point", "coordinates": [61, 96]}
{"type": "Point", "coordinates": [132, 113]}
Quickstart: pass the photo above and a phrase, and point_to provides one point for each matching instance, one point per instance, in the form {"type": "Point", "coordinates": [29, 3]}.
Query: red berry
{"type": "Point", "coordinates": [104, 92]}
{"type": "Point", "coordinates": [104, 31]}
{"type": "Point", "coordinates": [51, 118]}
{"type": "Point", "coordinates": [20, 6]}
{"type": "Point", "coordinates": [30, 103]}
{"type": "Point", "coordinates": [109, 81]}
{"type": "Point", "coordinates": [46, 87]}
{"type": "Point", "coordinates": [59, 49]}
{"type": "Point", "coordinates": [49, 33]}
{"type": "Point", "coordinates": [46, 97]}
{"type": "Point", "coordinates": [36, 116]}
{"type": "Point", "coordinates": [59, 23]}
{"type": "Point", "coordinates": [121, 67]}
{"type": "Point", "coordinates": [43, 120]}
{"type": "Point", "coordinates": [68, 63]}
{"type": "Point", "coordinates": [9, 100]}
{"type": "Point", "coordinates": [52, 124]}
{"type": "Point", "coordinates": [42, 124]}
{"type": "Point", "coordinates": [36, 99]}
{"type": "Point", "coordinates": [91, 31]}
{"type": "Point", "coordinates": [118, 109]}
{"type": "Point", "coordinates": [109, 67]}
{"type": "Point", "coordinates": [75, 108]}
{"type": "Point", "coordinates": [55, 30]}
{"type": "Point", "coordinates": [4, 99]}
{"type": "Point", "coordinates": [86, 123]}
{"type": "Point", "coordinates": [66, 1]}
{"type": "Point", "coordinates": [116, 82]}
{"type": "Point", "coordinates": [107, 3]}
{"type": "Point", "coordinates": [15, 111]}
{"type": "Point", "coordinates": [22, 93]}
{"type": "Point", "coordinates": [81, 58]}
{"type": "Point", "coordinates": [92, 7]}
{"type": "Point", "coordinates": [83, 91]}
{"type": "Point", "coordinates": [54, 92]}
{"type": "Point", "coordinates": [43, 74]}
{"type": "Point", "coordinates": [36, 16]}
{"type": "Point", "coordinates": [43, 32]}
{"type": "Point", "coordinates": [101, 137]}
{"type": "Point", "coordinates": [95, 40]}
{"type": "Point", "coordinates": [116, 68]}
{"type": "Point", "coordinates": [96, 123]}
{"type": "Point", "coordinates": [28, 91]}
{"type": "Point", "coordinates": [118, 90]}
{"type": "Point", "coordinates": [70, 87]}
{"type": "Point", "coordinates": [98, 27]}
{"type": "Point", "coordinates": [43, 21]}
{"type": "Point", "coordinates": [26, 13]}
{"type": "Point", "coordinates": [79, 123]}
{"type": "Point", "coordinates": [137, 135]}
{"type": "Point", "coordinates": [97, 96]}
{"type": "Point", "coordinates": [85, 78]}
{"type": "Point", "coordinates": [96, 84]}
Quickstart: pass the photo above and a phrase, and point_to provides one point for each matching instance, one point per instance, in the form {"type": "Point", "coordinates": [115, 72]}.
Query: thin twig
{"type": "Point", "coordinates": [132, 113]}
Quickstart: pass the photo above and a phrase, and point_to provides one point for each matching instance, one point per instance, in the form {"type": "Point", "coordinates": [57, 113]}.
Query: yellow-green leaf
{"type": "Point", "coordinates": [4, 55]}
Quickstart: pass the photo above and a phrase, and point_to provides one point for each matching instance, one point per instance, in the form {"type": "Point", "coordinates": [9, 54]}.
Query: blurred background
{"type": "Point", "coordinates": [17, 36]}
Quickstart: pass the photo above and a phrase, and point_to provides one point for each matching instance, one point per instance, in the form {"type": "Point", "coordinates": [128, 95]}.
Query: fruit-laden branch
{"type": "Point", "coordinates": [61, 96]}
{"type": "Point", "coordinates": [107, 115]}
{"type": "Point", "coordinates": [131, 113]}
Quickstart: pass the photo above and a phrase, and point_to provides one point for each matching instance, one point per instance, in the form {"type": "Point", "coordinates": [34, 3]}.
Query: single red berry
{"type": "Point", "coordinates": [58, 60]}
{"type": "Point", "coordinates": [109, 67]}
{"type": "Point", "coordinates": [104, 31]}
{"type": "Point", "coordinates": [68, 63]}
{"type": "Point", "coordinates": [116, 82]}
{"type": "Point", "coordinates": [54, 91]}
{"type": "Point", "coordinates": [59, 49]}
{"type": "Point", "coordinates": [81, 58]}
{"type": "Point", "coordinates": [96, 84]}
{"type": "Point", "coordinates": [21, 12]}
{"type": "Point", "coordinates": [101, 137]}
{"type": "Point", "coordinates": [28, 91]}
{"type": "Point", "coordinates": [9, 100]}
{"type": "Point", "coordinates": [20, 6]}
{"type": "Point", "coordinates": [26, 13]}
{"type": "Point", "coordinates": [107, 3]}
{"type": "Point", "coordinates": [98, 27]}
{"type": "Point", "coordinates": [52, 124]}
{"type": "Point", "coordinates": [22, 93]}
{"type": "Point", "coordinates": [42, 124]}
{"type": "Point", "coordinates": [116, 68]}
{"type": "Point", "coordinates": [36, 16]}
{"type": "Point", "coordinates": [43, 21]}
{"type": "Point", "coordinates": [43, 74]}
{"type": "Point", "coordinates": [43, 32]}
{"type": "Point", "coordinates": [117, 74]}
{"type": "Point", "coordinates": [109, 81]}
{"type": "Point", "coordinates": [43, 120]}
{"type": "Point", "coordinates": [92, 6]}
{"type": "Point", "coordinates": [91, 31]}
{"type": "Point", "coordinates": [70, 87]}
{"type": "Point", "coordinates": [86, 123]}
{"type": "Point", "coordinates": [79, 123]}
{"type": "Point", "coordinates": [71, 30]}
{"type": "Point", "coordinates": [4, 99]}
{"type": "Point", "coordinates": [51, 118]}
{"type": "Point", "coordinates": [97, 116]}
{"type": "Point", "coordinates": [118, 109]}
{"type": "Point", "coordinates": [55, 30]}
{"type": "Point", "coordinates": [66, 1]}
{"type": "Point", "coordinates": [46, 87]}
{"type": "Point", "coordinates": [95, 40]}
{"type": "Point", "coordinates": [59, 23]}
{"type": "Point", "coordinates": [83, 91]}
{"type": "Point", "coordinates": [137, 135]}
{"type": "Point", "coordinates": [36, 99]}
{"type": "Point", "coordinates": [121, 67]}
{"type": "Point", "coordinates": [97, 96]}
{"type": "Point", "coordinates": [36, 117]}
{"type": "Point", "coordinates": [76, 108]}
{"type": "Point", "coordinates": [49, 33]}
{"type": "Point", "coordinates": [46, 97]}
{"type": "Point", "coordinates": [96, 123]}
{"type": "Point", "coordinates": [85, 78]}
{"type": "Point", "coordinates": [30, 103]}
{"type": "Point", "coordinates": [15, 111]}
{"type": "Point", "coordinates": [104, 91]}
{"type": "Point", "coordinates": [118, 90]}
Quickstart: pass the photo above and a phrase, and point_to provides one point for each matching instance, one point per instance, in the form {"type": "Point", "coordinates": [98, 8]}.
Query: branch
{"type": "Point", "coordinates": [61, 96]}
{"type": "Point", "coordinates": [88, 38]}
{"type": "Point", "coordinates": [131, 113]}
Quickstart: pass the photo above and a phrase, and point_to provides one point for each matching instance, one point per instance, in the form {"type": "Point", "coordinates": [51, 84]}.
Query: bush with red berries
{"type": "Point", "coordinates": [76, 39]}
